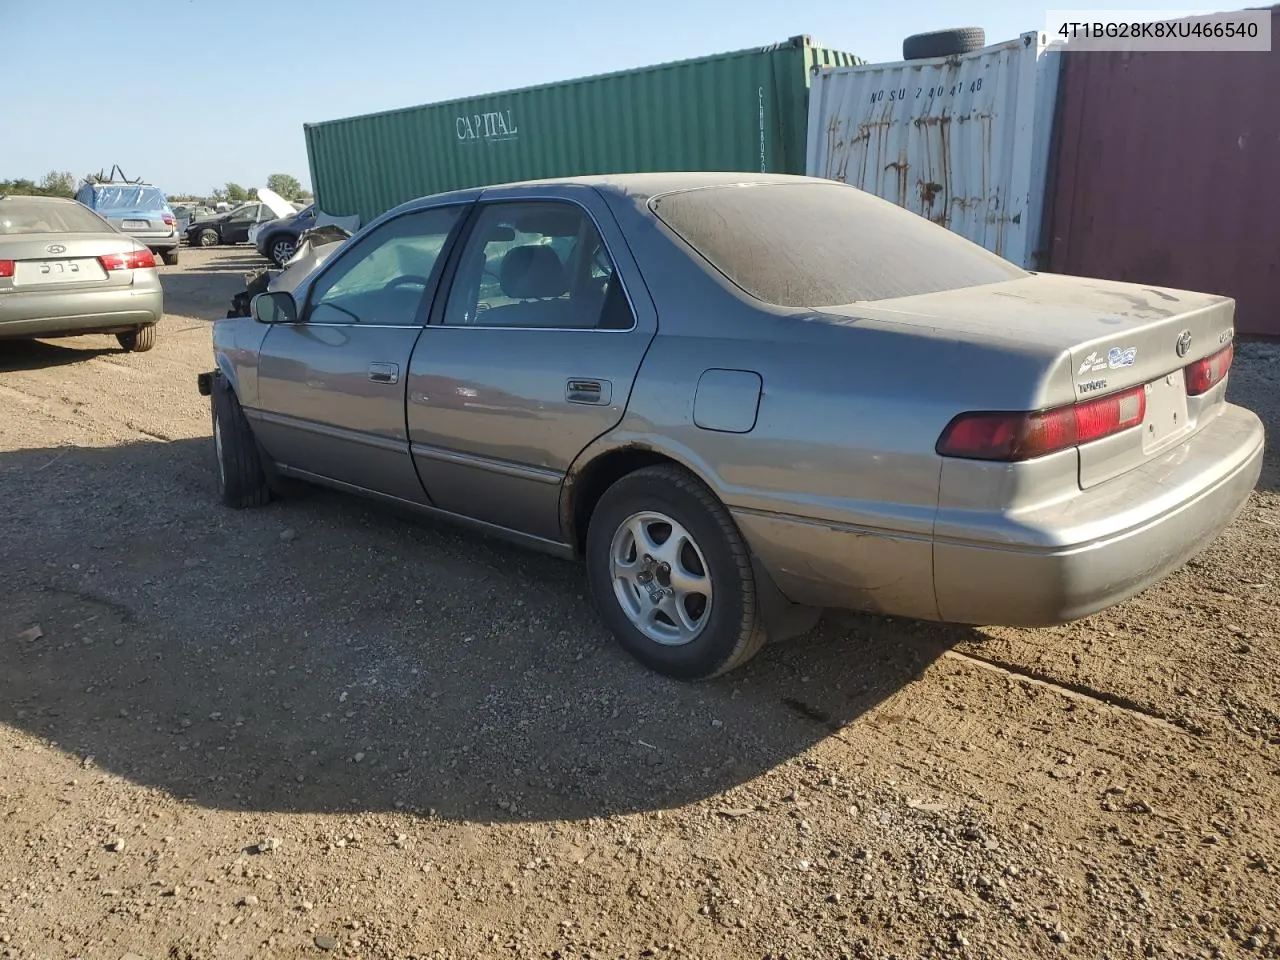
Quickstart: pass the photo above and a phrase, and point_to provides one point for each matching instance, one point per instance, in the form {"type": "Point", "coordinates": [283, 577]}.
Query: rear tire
{"type": "Point", "coordinates": [943, 43]}
{"type": "Point", "coordinates": [729, 628]}
{"type": "Point", "coordinates": [138, 341]}
{"type": "Point", "coordinates": [170, 257]}
{"type": "Point", "coordinates": [208, 238]}
{"type": "Point", "coordinates": [241, 480]}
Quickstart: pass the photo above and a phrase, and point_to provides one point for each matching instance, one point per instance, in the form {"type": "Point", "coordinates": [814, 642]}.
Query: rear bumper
{"type": "Point", "coordinates": [79, 312]}
{"type": "Point", "coordinates": [156, 240]}
{"type": "Point", "coordinates": [1054, 565]}
{"type": "Point", "coordinates": [1141, 527]}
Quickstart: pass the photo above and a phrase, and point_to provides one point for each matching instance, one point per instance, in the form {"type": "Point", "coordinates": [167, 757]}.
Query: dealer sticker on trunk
{"type": "Point", "coordinates": [1117, 358]}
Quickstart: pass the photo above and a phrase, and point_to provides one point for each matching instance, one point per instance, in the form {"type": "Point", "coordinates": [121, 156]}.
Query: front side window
{"type": "Point", "coordinates": [540, 265]}
{"type": "Point", "coordinates": [382, 279]}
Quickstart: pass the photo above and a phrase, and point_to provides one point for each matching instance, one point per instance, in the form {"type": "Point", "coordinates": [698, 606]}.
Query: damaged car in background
{"type": "Point", "coordinates": [232, 227]}
{"type": "Point", "coordinates": [277, 240]}
{"type": "Point", "coordinates": [741, 399]}
{"type": "Point", "coordinates": [314, 246]}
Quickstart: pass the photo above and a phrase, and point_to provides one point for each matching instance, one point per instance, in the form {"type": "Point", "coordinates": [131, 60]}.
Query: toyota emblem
{"type": "Point", "coordinates": [55, 248]}
{"type": "Point", "coordinates": [1184, 343]}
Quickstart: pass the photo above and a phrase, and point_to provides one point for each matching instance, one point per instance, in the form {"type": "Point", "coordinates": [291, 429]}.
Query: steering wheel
{"type": "Point", "coordinates": [408, 279]}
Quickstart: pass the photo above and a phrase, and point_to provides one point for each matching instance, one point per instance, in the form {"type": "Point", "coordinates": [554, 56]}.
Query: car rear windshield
{"type": "Point", "coordinates": [18, 216]}
{"type": "Point", "coordinates": [821, 245]}
{"type": "Point", "coordinates": [129, 197]}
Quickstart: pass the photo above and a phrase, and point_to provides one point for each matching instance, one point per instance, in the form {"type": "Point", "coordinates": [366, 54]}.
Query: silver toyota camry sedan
{"type": "Point", "coordinates": [741, 399]}
{"type": "Point", "coordinates": [65, 271]}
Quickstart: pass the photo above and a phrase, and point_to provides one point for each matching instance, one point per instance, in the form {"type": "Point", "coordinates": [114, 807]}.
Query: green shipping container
{"type": "Point", "coordinates": [745, 111]}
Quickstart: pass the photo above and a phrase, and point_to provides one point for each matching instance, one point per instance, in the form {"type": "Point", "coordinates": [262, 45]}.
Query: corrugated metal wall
{"type": "Point", "coordinates": [962, 140]}
{"type": "Point", "coordinates": [736, 111]}
{"type": "Point", "coordinates": [1166, 174]}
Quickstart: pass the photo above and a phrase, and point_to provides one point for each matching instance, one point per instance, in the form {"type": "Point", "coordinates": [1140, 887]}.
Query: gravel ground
{"type": "Point", "coordinates": [324, 728]}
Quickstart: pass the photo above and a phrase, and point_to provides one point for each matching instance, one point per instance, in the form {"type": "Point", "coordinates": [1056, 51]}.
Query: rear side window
{"type": "Point", "coordinates": [821, 245]}
{"type": "Point", "coordinates": [538, 264]}
{"type": "Point", "coordinates": [19, 216]}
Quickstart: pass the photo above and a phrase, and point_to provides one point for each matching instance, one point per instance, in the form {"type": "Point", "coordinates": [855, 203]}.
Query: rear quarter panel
{"type": "Point", "coordinates": [836, 485]}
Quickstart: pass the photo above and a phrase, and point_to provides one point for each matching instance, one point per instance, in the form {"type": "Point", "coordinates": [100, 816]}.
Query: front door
{"type": "Point", "coordinates": [332, 387]}
{"type": "Point", "coordinates": [236, 229]}
{"type": "Point", "coordinates": [529, 358]}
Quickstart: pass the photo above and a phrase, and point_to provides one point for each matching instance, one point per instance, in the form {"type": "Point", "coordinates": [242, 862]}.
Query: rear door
{"type": "Point", "coordinates": [529, 357]}
{"type": "Point", "coordinates": [331, 387]}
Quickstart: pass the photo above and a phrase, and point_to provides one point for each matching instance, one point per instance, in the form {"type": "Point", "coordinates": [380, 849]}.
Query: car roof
{"type": "Point", "coordinates": [644, 186]}
{"type": "Point", "coordinates": [36, 197]}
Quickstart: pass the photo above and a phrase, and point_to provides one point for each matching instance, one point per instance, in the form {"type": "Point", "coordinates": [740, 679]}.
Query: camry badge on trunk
{"type": "Point", "coordinates": [1184, 343]}
{"type": "Point", "coordinates": [55, 248]}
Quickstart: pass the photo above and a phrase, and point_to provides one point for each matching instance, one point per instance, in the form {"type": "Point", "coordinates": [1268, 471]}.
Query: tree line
{"type": "Point", "coordinates": [62, 183]}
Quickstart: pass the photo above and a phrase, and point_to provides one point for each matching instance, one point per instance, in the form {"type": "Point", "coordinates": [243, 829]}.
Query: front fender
{"type": "Point", "coordinates": [237, 344]}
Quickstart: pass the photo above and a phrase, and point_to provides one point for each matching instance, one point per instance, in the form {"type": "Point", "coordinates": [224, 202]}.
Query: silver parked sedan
{"type": "Point", "coordinates": [65, 271]}
{"type": "Point", "coordinates": [741, 399]}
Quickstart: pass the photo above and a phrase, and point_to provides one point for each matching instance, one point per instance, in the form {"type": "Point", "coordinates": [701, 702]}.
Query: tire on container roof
{"type": "Point", "coordinates": [943, 43]}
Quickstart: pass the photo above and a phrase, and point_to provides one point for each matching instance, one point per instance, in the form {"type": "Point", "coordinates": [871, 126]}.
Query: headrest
{"type": "Point", "coordinates": [531, 272]}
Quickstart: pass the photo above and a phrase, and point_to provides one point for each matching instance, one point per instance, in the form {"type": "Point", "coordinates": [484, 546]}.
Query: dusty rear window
{"type": "Point", "coordinates": [129, 198]}
{"type": "Point", "coordinates": [821, 245]}
{"type": "Point", "coordinates": [19, 216]}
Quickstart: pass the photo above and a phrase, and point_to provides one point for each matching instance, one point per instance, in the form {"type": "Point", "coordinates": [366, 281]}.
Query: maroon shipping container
{"type": "Point", "coordinates": [1168, 172]}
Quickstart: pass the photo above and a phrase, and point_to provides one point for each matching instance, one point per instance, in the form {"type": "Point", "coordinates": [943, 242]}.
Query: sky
{"type": "Point", "coordinates": [190, 94]}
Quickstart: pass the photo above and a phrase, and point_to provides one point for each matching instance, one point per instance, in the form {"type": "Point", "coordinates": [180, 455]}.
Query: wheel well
{"type": "Point", "coordinates": [597, 477]}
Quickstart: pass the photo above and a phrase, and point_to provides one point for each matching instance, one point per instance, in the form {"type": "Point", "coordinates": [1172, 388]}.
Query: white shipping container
{"type": "Point", "coordinates": [962, 140]}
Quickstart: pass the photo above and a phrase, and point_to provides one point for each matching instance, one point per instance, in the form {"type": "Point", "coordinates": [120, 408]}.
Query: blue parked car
{"type": "Point", "coordinates": [138, 209]}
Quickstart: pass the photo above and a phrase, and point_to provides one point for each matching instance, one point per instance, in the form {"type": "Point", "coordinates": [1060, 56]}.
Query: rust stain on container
{"type": "Point", "coordinates": [961, 140]}
{"type": "Point", "coordinates": [1162, 174]}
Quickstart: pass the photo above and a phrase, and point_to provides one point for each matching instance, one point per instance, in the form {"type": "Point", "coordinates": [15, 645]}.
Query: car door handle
{"type": "Point", "coordinates": [588, 391]}
{"type": "Point", "coordinates": [384, 372]}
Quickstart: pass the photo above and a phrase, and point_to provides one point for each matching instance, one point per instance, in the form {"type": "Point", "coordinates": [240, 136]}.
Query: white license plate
{"type": "Point", "coordinates": [137, 224]}
{"type": "Point", "coordinates": [1166, 418]}
{"type": "Point", "coordinates": [35, 272]}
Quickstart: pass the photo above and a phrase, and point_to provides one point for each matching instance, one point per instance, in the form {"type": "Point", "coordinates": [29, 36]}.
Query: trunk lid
{"type": "Point", "coordinates": [1117, 334]}
{"type": "Point", "coordinates": [1096, 337]}
{"type": "Point", "coordinates": [63, 262]}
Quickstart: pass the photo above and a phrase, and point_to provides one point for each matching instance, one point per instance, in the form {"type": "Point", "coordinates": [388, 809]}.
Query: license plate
{"type": "Point", "coordinates": [1166, 418]}
{"type": "Point", "coordinates": [137, 224]}
{"type": "Point", "coordinates": [34, 272]}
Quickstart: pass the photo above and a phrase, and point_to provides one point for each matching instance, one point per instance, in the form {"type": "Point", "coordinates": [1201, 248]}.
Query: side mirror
{"type": "Point", "coordinates": [275, 306]}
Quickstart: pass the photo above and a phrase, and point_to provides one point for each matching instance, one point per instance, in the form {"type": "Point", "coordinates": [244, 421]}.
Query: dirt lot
{"type": "Point", "coordinates": [323, 728]}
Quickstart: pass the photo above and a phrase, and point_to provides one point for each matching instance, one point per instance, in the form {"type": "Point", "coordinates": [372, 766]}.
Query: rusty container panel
{"type": "Point", "coordinates": [962, 140]}
{"type": "Point", "coordinates": [1165, 175]}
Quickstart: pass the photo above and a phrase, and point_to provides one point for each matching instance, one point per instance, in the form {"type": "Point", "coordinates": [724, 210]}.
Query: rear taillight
{"type": "Point", "coordinates": [169, 221]}
{"type": "Point", "coordinates": [6, 268]}
{"type": "Point", "coordinates": [1021, 436]}
{"type": "Point", "coordinates": [1204, 375]}
{"type": "Point", "coordinates": [134, 260]}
